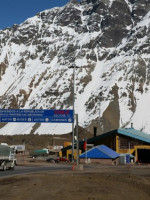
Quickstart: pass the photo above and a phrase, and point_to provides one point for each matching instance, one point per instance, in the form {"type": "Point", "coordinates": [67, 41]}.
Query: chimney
{"type": "Point", "coordinates": [95, 131]}
{"type": "Point", "coordinates": [131, 125]}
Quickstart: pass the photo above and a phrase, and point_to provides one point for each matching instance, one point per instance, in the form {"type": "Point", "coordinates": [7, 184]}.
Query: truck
{"type": "Point", "coordinates": [39, 153]}
{"type": "Point", "coordinates": [7, 157]}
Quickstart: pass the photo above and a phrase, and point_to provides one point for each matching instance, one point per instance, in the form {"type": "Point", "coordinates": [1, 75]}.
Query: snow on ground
{"type": "Point", "coordinates": [58, 75]}
{"type": "Point", "coordinates": [25, 128]}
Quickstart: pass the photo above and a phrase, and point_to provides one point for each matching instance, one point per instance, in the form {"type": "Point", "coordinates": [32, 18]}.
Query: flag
{"type": "Point", "coordinates": [84, 145]}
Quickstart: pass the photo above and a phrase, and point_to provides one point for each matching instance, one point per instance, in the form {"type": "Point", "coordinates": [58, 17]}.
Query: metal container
{"type": "Point", "coordinates": [5, 151]}
{"type": "Point", "coordinates": [122, 159]}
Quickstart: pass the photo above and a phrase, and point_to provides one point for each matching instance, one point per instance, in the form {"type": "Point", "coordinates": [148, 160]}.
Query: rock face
{"type": "Point", "coordinates": [107, 39]}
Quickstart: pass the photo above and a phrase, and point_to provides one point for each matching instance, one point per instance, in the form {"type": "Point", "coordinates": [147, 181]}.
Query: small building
{"type": "Point", "coordinates": [125, 158]}
{"type": "Point", "coordinates": [126, 141]}
{"type": "Point", "coordinates": [100, 154]}
{"type": "Point", "coordinates": [67, 150]}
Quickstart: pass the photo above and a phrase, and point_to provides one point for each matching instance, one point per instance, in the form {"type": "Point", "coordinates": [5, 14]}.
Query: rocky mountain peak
{"type": "Point", "coordinates": [107, 39]}
{"type": "Point", "coordinates": [74, 1]}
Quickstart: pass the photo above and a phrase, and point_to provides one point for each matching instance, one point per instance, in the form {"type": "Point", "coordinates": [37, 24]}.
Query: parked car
{"type": "Point", "coordinates": [52, 160]}
{"type": "Point", "coordinates": [63, 159]}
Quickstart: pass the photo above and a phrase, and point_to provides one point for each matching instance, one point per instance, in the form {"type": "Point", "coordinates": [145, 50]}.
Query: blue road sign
{"type": "Point", "coordinates": [35, 115]}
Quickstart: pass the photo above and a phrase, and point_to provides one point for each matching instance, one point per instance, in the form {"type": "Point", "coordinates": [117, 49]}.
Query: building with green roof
{"type": "Point", "coordinates": [126, 140]}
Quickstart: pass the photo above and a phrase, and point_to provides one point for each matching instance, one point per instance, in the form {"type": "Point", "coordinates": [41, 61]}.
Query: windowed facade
{"type": "Point", "coordinates": [128, 143]}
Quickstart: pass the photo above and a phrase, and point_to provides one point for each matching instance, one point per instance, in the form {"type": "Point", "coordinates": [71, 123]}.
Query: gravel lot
{"type": "Point", "coordinates": [98, 183]}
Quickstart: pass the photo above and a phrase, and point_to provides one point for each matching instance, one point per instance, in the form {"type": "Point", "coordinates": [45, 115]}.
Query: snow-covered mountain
{"type": "Point", "coordinates": [107, 39]}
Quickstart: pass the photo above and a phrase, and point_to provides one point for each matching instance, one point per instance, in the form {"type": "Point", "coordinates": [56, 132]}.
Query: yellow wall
{"type": "Point", "coordinates": [66, 144]}
{"type": "Point", "coordinates": [118, 150]}
{"type": "Point", "coordinates": [117, 143]}
{"type": "Point", "coordinates": [74, 155]}
{"type": "Point", "coordinates": [60, 153]}
{"type": "Point", "coordinates": [131, 151]}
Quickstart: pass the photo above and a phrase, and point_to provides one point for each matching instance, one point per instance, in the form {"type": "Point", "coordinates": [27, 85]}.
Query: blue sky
{"type": "Point", "coordinates": [17, 11]}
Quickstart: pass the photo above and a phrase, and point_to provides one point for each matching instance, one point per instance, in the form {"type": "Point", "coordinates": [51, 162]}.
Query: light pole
{"type": "Point", "coordinates": [73, 103]}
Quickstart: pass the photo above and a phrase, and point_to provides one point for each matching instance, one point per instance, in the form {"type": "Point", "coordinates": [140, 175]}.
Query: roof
{"type": "Point", "coordinates": [101, 152]}
{"type": "Point", "coordinates": [130, 132]}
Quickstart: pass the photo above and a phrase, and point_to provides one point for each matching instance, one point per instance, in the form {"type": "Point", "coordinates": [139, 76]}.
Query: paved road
{"type": "Point", "coordinates": [20, 170]}
{"type": "Point", "coordinates": [33, 169]}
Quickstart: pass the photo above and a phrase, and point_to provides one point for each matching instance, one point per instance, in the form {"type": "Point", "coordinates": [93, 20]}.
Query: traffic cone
{"type": "Point", "coordinates": [73, 166]}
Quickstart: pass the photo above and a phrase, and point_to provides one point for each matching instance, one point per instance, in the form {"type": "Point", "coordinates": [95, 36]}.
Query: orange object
{"type": "Point", "coordinates": [66, 144]}
{"type": "Point", "coordinates": [73, 167]}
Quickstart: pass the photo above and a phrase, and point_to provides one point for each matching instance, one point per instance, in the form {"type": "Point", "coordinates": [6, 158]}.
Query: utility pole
{"type": "Point", "coordinates": [73, 103]}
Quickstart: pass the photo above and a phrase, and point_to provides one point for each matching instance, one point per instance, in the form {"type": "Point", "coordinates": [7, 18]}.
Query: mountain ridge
{"type": "Point", "coordinates": [107, 39]}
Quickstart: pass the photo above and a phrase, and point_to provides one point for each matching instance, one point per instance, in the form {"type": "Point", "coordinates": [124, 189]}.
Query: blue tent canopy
{"type": "Point", "coordinates": [101, 152]}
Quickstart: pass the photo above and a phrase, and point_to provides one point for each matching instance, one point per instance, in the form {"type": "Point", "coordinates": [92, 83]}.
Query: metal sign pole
{"type": "Point", "coordinates": [77, 139]}
{"type": "Point", "coordinates": [86, 146]}
{"type": "Point", "coordinates": [73, 113]}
